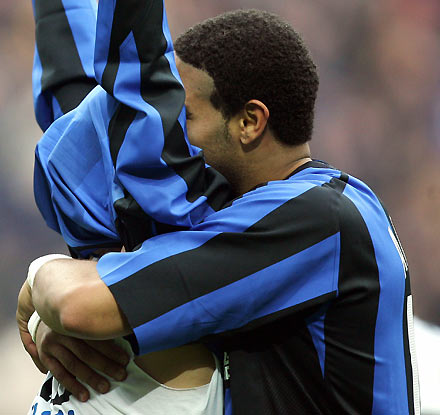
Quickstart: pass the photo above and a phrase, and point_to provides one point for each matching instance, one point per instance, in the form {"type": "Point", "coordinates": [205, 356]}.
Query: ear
{"type": "Point", "coordinates": [253, 121]}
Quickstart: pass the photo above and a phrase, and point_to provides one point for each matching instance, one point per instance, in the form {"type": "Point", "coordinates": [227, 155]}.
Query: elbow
{"type": "Point", "coordinates": [71, 298]}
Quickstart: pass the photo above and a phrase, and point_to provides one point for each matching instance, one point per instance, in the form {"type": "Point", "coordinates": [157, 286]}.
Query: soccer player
{"type": "Point", "coordinates": [300, 281]}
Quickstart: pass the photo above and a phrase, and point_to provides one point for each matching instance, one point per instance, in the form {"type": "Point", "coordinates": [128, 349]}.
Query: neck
{"type": "Point", "coordinates": [272, 164]}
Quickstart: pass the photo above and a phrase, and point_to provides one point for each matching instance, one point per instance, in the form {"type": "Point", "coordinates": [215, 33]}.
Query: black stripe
{"type": "Point", "coordinates": [407, 351]}
{"type": "Point", "coordinates": [350, 351]}
{"type": "Point", "coordinates": [85, 251]}
{"type": "Point", "coordinates": [277, 371]}
{"type": "Point", "coordinates": [69, 96]}
{"type": "Point", "coordinates": [134, 226]}
{"type": "Point", "coordinates": [124, 17]}
{"type": "Point", "coordinates": [46, 389]}
{"type": "Point", "coordinates": [406, 346]}
{"type": "Point", "coordinates": [117, 128]}
{"type": "Point", "coordinates": [229, 257]}
{"type": "Point", "coordinates": [59, 56]}
{"type": "Point", "coordinates": [235, 339]}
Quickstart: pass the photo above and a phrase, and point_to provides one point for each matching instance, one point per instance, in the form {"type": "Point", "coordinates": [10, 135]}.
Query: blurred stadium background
{"type": "Point", "coordinates": [378, 117]}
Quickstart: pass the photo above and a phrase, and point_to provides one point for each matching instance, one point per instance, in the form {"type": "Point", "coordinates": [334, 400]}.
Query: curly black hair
{"type": "Point", "coordinates": [253, 54]}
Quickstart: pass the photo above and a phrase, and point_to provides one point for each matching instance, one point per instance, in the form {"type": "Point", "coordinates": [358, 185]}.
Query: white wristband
{"type": "Point", "coordinates": [36, 264]}
{"type": "Point", "coordinates": [33, 324]}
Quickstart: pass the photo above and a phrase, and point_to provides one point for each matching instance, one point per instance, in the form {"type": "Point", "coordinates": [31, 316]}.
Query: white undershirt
{"type": "Point", "coordinates": [140, 394]}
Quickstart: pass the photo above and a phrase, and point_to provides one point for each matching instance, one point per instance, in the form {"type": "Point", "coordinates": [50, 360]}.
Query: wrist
{"type": "Point", "coordinates": [33, 324]}
{"type": "Point", "coordinates": [36, 264]}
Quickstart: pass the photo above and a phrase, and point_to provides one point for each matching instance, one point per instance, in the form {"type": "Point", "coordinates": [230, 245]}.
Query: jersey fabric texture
{"type": "Point", "coordinates": [300, 282]}
{"type": "Point", "coordinates": [139, 394]}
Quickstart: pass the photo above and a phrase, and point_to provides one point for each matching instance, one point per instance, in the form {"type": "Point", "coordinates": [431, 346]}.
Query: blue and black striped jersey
{"type": "Point", "coordinates": [119, 166]}
{"type": "Point", "coordinates": [302, 282]}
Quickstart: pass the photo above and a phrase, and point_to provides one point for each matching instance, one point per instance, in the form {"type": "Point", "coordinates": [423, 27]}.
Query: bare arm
{"type": "Point", "coordinates": [79, 304]}
{"type": "Point", "coordinates": [70, 359]}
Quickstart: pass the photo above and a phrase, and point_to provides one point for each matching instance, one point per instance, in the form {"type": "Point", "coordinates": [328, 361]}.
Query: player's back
{"type": "Point", "coordinates": [344, 348]}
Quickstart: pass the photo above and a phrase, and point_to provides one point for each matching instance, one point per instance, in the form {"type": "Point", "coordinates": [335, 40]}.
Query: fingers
{"type": "Point", "coordinates": [110, 349]}
{"type": "Point", "coordinates": [106, 361]}
{"type": "Point", "coordinates": [73, 367]}
{"type": "Point", "coordinates": [39, 365]}
{"type": "Point", "coordinates": [66, 367]}
{"type": "Point", "coordinates": [72, 360]}
{"type": "Point", "coordinates": [63, 376]}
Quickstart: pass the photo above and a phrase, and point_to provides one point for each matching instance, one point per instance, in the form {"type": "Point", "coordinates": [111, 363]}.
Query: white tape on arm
{"type": "Point", "coordinates": [33, 324]}
{"type": "Point", "coordinates": [36, 264]}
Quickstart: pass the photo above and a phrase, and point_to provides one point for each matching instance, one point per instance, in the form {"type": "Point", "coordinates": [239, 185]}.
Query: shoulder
{"type": "Point", "coordinates": [309, 200]}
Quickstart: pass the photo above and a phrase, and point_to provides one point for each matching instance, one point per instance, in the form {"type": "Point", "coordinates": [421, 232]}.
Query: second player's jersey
{"type": "Point", "coordinates": [119, 166]}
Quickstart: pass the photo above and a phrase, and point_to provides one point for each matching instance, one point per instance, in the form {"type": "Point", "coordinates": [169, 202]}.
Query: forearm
{"type": "Point", "coordinates": [70, 298]}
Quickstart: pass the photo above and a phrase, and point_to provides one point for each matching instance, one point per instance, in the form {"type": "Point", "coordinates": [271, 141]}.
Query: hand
{"type": "Point", "coordinates": [69, 358]}
{"type": "Point", "coordinates": [25, 308]}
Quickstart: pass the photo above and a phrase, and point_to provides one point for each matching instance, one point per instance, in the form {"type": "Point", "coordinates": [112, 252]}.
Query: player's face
{"type": "Point", "coordinates": [206, 126]}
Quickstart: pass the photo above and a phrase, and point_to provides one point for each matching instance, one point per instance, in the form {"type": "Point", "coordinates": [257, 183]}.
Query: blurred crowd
{"type": "Point", "coordinates": [377, 117]}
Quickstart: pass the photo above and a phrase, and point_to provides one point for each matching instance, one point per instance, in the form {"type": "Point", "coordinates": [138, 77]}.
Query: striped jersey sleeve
{"type": "Point", "coordinates": [63, 72]}
{"type": "Point", "coordinates": [268, 252]}
{"type": "Point", "coordinates": [120, 166]}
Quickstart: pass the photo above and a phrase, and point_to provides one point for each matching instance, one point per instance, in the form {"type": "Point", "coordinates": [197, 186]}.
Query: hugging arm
{"type": "Point", "coordinates": [216, 278]}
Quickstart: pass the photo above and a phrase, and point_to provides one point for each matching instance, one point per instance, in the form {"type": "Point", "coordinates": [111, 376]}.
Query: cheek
{"type": "Point", "coordinates": [195, 136]}
{"type": "Point", "coordinates": [204, 133]}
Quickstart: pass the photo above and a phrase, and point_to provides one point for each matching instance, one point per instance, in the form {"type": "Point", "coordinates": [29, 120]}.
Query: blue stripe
{"type": "Point", "coordinates": [315, 325]}
{"type": "Point", "coordinates": [252, 206]}
{"type": "Point", "coordinates": [42, 189]}
{"type": "Point", "coordinates": [228, 402]}
{"type": "Point", "coordinates": [57, 112]}
{"type": "Point", "coordinates": [127, 88]}
{"type": "Point", "coordinates": [103, 33]}
{"type": "Point", "coordinates": [77, 174]}
{"type": "Point", "coordinates": [302, 277]}
{"type": "Point", "coordinates": [114, 267]}
{"type": "Point", "coordinates": [390, 387]}
{"type": "Point", "coordinates": [315, 175]}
